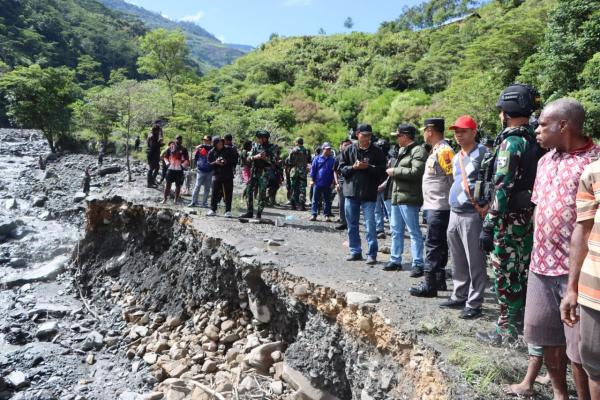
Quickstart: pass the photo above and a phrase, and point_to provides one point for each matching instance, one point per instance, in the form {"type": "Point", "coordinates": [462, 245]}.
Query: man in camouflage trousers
{"type": "Point", "coordinates": [297, 164]}
{"type": "Point", "coordinates": [508, 226]}
{"type": "Point", "coordinates": [262, 156]}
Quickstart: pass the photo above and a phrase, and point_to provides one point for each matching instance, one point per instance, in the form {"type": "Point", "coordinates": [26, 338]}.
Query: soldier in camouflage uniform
{"type": "Point", "coordinates": [262, 156]}
{"type": "Point", "coordinates": [297, 164]}
{"type": "Point", "coordinates": [508, 227]}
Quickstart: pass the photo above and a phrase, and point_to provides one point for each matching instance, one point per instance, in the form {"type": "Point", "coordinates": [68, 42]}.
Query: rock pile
{"type": "Point", "coordinates": [218, 352]}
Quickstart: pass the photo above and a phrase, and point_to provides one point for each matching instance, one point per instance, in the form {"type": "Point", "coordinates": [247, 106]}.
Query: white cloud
{"type": "Point", "coordinates": [297, 3]}
{"type": "Point", "coordinates": [165, 16]}
{"type": "Point", "coordinates": [221, 38]}
{"type": "Point", "coordinates": [195, 18]}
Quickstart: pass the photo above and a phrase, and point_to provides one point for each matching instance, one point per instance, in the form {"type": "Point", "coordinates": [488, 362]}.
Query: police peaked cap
{"type": "Point", "coordinates": [436, 123]}
{"type": "Point", "coordinates": [519, 100]}
{"type": "Point", "coordinates": [262, 133]}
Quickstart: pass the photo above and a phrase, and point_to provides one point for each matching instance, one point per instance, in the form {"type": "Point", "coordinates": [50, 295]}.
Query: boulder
{"type": "Point", "coordinates": [93, 340]}
{"type": "Point", "coordinates": [47, 330]}
{"type": "Point", "coordinates": [260, 357]}
{"type": "Point", "coordinates": [16, 380]}
{"type": "Point", "coordinates": [39, 201]}
{"type": "Point", "coordinates": [212, 332]}
{"type": "Point", "coordinates": [298, 381]}
{"type": "Point", "coordinates": [113, 169]}
{"type": "Point", "coordinates": [357, 298]}
{"type": "Point", "coordinates": [46, 272]}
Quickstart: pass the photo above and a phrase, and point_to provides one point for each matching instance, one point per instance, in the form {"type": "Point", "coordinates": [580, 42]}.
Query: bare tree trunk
{"type": "Point", "coordinates": [127, 154]}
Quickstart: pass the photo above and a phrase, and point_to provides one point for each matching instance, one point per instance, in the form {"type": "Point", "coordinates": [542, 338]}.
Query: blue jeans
{"type": "Point", "coordinates": [352, 208]}
{"type": "Point", "coordinates": [317, 193]}
{"type": "Point", "coordinates": [382, 210]}
{"type": "Point", "coordinates": [406, 216]}
{"type": "Point", "coordinates": [202, 179]}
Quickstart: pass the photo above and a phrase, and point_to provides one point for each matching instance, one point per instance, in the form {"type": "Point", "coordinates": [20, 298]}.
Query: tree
{"type": "Point", "coordinates": [348, 23]}
{"type": "Point", "coordinates": [138, 104]}
{"type": "Point", "coordinates": [88, 72]}
{"type": "Point", "coordinates": [164, 57]}
{"type": "Point", "coordinates": [40, 98]}
{"type": "Point", "coordinates": [322, 31]}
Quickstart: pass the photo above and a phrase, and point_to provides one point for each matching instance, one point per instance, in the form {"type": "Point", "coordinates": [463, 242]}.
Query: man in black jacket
{"type": "Point", "coordinates": [363, 167]}
{"type": "Point", "coordinates": [222, 159]}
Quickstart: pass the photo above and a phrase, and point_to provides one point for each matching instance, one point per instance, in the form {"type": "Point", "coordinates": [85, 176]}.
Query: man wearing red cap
{"type": "Point", "coordinates": [468, 274]}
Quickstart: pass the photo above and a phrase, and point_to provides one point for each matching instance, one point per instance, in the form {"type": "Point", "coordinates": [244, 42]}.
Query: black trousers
{"type": "Point", "coordinates": [153, 166]}
{"type": "Point", "coordinates": [222, 188]}
{"type": "Point", "coordinates": [436, 242]}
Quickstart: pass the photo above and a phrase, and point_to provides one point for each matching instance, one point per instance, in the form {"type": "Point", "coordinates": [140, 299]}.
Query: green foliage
{"type": "Point", "coordinates": [572, 38]}
{"type": "Point", "coordinates": [428, 14]}
{"type": "Point", "coordinates": [40, 98]}
{"type": "Point", "coordinates": [164, 54]}
{"type": "Point", "coordinates": [59, 32]}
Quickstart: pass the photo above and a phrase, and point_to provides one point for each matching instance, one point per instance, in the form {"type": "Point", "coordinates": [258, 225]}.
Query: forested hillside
{"type": "Point", "coordinates": [79, 34]}
{"type": "Point", "coordinates": [425, 63]}
{"type": "Point", "coordinates": [205, 49]}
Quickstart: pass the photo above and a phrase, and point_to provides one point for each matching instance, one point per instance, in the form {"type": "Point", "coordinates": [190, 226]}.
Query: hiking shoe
{"type": "Point", "coordinates": [192, 205]}
{"type": "Point", "coordinates": [341, 227]}
{"type": "Point", "coordinates": [381, 235]}
{"type": "Point", "coordinates": [329, 218]}
{"type": "Point", "coordinates": [392, 266]}
{"type": "Point", "coordinates": [470, 313]}
{"type": "Point", "coordinates": [416, 272]}
{"type": "Point", "coordinates": [354, 257]}
{"type": "Point", "coordinates": [228, 214]}
{"type": "Point", "coordinates": [452, 304]}
{"type": "Point", "coordinates": [249, 214]}
{"type": "Point", "coordinates": [313, 218]}
{"type": "Point", "coordinates": [258, 215]}
{"type": "Point", "coordinates": [371, 260]}
{"type": "Point", "coordinates": [423, 290]}
{"type": "Point", "coordinates": [210, 213]}
{"type": "Point", "coordinates": [302, 207]}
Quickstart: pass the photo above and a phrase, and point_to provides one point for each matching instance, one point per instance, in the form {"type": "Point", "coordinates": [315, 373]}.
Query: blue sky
{"type": "Point", "coordinates": [252, 21]}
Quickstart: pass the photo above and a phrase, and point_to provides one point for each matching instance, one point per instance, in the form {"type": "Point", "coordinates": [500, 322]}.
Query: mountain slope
{"type": "Point", "coordinates": [205, 48]}
{"type": "Point", "coordinates": [67, 32]}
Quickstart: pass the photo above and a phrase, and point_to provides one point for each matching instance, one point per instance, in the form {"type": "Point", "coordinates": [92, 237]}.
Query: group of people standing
{"type": "Point", "coordinates": [524, 205]}
{"type": "Point", "coordinates": [527, 209]}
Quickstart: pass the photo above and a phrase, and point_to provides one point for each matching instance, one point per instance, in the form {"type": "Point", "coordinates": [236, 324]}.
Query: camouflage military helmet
{"type": "Point", "coordinates": [519, 100]}
{"type": "Point", "coordinates": [262, 133]}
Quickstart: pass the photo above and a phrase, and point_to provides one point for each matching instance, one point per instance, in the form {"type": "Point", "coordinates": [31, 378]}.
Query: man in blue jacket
{"type": "Point", "coordinates": [321, 173]}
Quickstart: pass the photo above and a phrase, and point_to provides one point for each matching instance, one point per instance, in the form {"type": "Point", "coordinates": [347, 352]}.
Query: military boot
{"type": "Point", "coordinates": [440, 280]}
{"type": "Point", "coordinates": [427, 288]}
{"type": "Point", "coordinates": [248, 214]}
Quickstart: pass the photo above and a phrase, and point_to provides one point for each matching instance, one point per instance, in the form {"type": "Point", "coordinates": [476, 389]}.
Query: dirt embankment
{"type": "Point", "coordinates": [334, 345]}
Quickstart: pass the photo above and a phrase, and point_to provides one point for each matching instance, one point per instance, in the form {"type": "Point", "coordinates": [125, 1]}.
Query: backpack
{"type": "Point", "coordinates": [527, 170]}
{"type": "Point", "coordinates": [202, 160]}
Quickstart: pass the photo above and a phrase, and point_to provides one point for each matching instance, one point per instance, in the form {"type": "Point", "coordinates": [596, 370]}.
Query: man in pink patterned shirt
{"type": "Point", "coordinates": [554, 193]}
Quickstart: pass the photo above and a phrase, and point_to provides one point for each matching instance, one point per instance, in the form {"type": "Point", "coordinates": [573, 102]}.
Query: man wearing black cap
{"type": "Point", "coordinates": [406, 174]}
{"type": "Point", "coordinates": [363, 167]}
{"type": "Point", "coordinates": [507, 232]}
{"type": "Point", "coordinates": [221, 159]}
{"type": "Point", "coordinates": [437, 181]}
